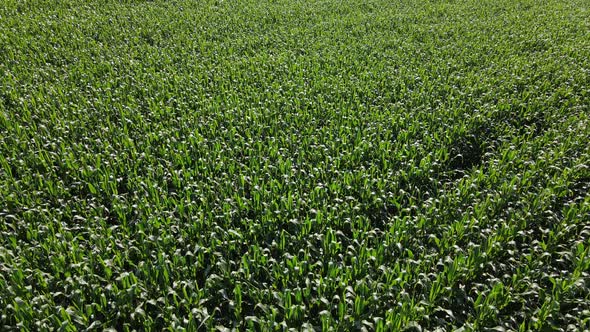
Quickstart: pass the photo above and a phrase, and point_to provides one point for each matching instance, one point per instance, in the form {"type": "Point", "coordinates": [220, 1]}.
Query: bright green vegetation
{"type": "Point", "coordinates": [326, 164]}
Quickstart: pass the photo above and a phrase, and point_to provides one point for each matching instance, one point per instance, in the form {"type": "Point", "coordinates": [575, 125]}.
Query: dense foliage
{"type": "Point", "coordinates": [324, 164]}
